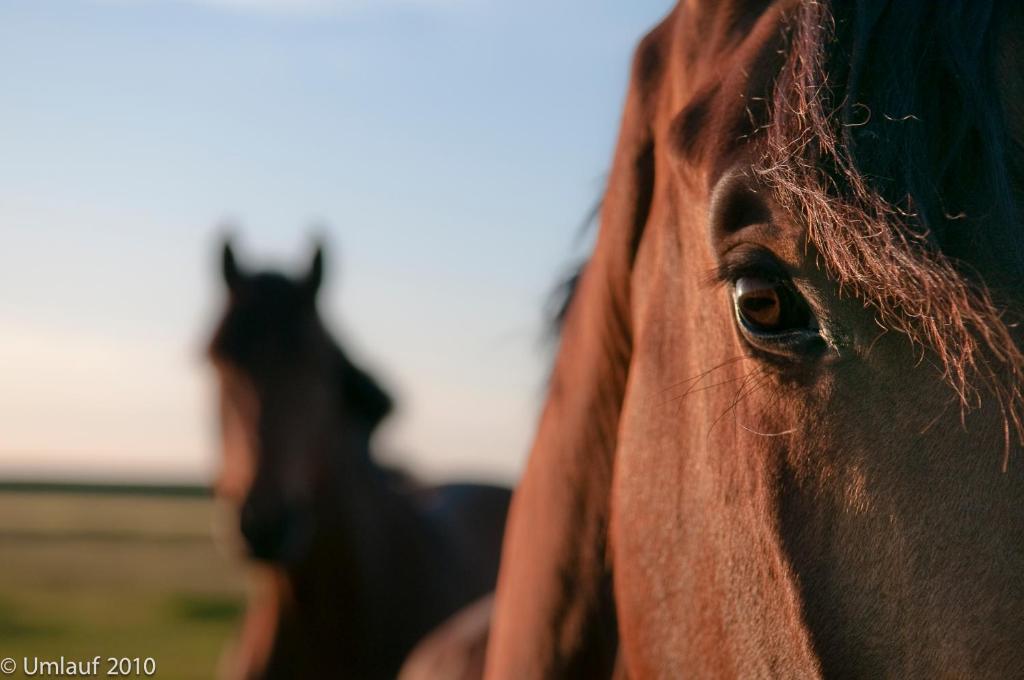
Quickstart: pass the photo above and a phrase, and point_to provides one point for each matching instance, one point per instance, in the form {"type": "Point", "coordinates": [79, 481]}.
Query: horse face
{"type": "Point", "coordinates": [278, 408]}
{"type": "Point", "coordinates": [762, 387]}
{"type": "Point", "coordinates": [813, 445]}
{"type": "Point", "coordinates": [274, 461]}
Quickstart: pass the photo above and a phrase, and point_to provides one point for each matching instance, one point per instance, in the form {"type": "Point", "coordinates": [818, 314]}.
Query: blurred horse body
{"type": "Point", "coordinates": [358, 561]}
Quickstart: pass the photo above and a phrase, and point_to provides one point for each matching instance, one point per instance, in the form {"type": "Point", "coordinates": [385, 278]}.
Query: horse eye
{"type": "Point", "coordinates": [768, 306]}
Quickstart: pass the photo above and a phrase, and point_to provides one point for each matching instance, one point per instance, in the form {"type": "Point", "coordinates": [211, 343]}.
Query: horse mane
{"type": "Point", "coordinates": [562, 294]}
{"type": "Point", "coordinates": [887, 139]}
{"type": "Point", "coordinates": [560, 298]}
{"type": "Point", "coordinates": [271, 306]}
{"type": "Point", "coordinates": [364, 396]}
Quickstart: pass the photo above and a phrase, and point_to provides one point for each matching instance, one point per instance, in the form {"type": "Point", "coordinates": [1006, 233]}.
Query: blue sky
{"type": "Point", "coordinates": [448, 150]}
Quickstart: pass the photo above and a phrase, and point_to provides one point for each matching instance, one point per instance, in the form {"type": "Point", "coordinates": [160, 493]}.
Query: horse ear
{"type": "Point", "coordinates": [230, 270]}
{"type": "Point", "coordinates": [546, 625]}
{"type": "Point", "coordinates": [315, 275]}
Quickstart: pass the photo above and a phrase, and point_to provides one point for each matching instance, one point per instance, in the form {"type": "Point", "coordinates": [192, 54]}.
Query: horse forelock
{"type": "Point", "coordinates": [268, 306]}
{"type": "Point", "coordinates": [886, 140]}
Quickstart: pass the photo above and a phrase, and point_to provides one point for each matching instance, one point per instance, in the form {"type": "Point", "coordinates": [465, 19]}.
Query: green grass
{"type": "Point", "coordinates": [114, 574]}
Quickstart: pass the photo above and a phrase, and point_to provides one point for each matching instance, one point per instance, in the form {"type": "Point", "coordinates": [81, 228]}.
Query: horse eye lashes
{"type": "Point", "coordinates": [729, 272]}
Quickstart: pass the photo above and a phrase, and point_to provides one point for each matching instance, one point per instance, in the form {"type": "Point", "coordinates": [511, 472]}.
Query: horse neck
{"type": "Point", "coordinates": [365, 559]}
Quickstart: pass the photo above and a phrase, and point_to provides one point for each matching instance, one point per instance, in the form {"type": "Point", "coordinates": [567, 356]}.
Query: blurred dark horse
{"type": "Point", "coordinates": [361, 561]}
{"type": "Point", "coordinates": [783, 435]}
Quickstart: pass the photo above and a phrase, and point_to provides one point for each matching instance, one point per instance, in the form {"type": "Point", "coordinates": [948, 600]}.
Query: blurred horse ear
{"type": "Point", "coordinates": [315, 275]}
{"type": "Point", "coordinates": [229, 267]}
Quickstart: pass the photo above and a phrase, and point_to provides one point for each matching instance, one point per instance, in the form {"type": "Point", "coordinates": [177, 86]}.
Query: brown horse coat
{"type": "Point", "coordinates": [781, 439]}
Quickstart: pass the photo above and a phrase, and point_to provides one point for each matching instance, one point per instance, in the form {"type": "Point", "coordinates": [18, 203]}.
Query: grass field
{"type": "Point", "coordinates": [86, 573]}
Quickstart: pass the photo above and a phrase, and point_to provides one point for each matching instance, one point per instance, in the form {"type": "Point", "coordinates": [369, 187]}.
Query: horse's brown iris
{"type": "Point", "coordinates": [768, 306]}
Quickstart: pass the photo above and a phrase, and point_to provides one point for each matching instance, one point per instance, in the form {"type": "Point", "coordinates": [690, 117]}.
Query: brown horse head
{"type": "Point", "coordinates": [783, 437]}
{"type": "Point", "coordinates": [296, 413]}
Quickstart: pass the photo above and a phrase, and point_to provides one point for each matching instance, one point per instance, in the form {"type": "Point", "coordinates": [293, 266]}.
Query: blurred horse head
{"type": "Point", "coordinates": [296, 413]}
